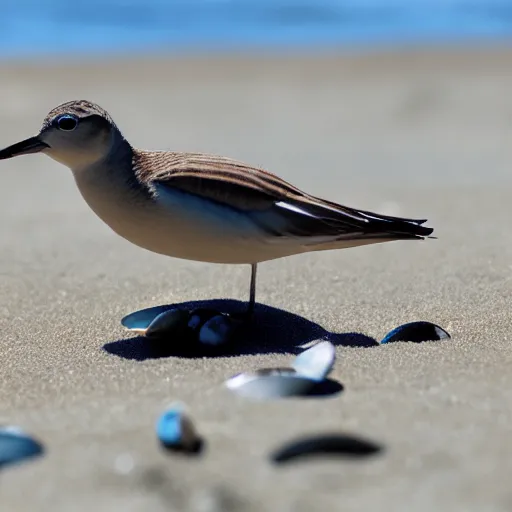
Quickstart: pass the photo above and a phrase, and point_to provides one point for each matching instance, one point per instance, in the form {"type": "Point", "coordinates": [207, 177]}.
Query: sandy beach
{"type": "Point", "coordinates": [422, 134]}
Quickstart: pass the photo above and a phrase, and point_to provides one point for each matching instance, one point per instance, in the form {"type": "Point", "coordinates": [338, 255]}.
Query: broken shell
{"type": "Point", "coordinates": [218, 330]}
{"type": "Point", "coordinates": [316, 362]}
{"type": "Point", "coordinates": [271, 383]}
{"type": "Point", "coordinates": [171, 322]}
{"type": "Point", "coordinates": [16, 445]}
{"type": "Point", "coordinates": [326, 444]}
{"type": "Point", "coordinates": [416, 332]}
{"type": "Point", "coordinates": [176, 431]}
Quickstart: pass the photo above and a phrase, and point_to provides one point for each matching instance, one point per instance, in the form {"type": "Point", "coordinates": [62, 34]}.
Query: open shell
{"type": "Point", "coordinates": [199, 328]}
{"type": "Point", "coordinates": [309, 369]}
{"type": "Point", "coordinates": [316, 362]}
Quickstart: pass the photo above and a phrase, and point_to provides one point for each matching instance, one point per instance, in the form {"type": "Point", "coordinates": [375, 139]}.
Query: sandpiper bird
{"type": "Point", "coordinates": [197, 206]}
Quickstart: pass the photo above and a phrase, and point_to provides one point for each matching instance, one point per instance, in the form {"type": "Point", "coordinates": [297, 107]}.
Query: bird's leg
{"type": "Point", "coordinates": [252, 294]}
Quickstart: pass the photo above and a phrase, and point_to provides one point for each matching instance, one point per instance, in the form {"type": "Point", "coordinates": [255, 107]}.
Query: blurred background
{"type": "Point", "coordinates": [29, 27]}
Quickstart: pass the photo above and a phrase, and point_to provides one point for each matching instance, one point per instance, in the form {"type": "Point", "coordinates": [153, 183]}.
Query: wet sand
{"type": "Point", "coordinates": [418, 134]}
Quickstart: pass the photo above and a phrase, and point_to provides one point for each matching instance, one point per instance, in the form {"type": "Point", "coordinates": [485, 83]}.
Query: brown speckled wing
{"type": "Point", "coordinates": [277, 206]}
{"type": "Point", "coordinates": [214, 177]}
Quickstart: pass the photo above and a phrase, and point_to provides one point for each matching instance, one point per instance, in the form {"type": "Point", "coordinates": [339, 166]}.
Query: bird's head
{"type": "Point", "coordinates": [76, 134]}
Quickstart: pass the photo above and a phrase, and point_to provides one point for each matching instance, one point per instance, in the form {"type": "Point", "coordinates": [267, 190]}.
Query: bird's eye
{"type": "Point", "coordinates": [67, 122]}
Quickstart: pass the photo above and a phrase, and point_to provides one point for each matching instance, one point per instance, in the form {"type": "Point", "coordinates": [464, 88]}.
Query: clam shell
{"type": "Point", "coordinates": [416, 332]}
{"type": "Point", "coordinates": [271, 383]}
{"type": "Point", "coordinates": [175, 430]}
{"type": "Point", "coordinates": [16, 446]}
{"type": "Point", "coordinates": [326, 444]}
{"type": "Point", "coordinates": [316, 362]}
{"type": "Point", "coordinates": [139, 321]}
{"type": "Point", "coordinates": [199, 327]}
{"type": "Point", "coordinates": [198, 317]}
{"type": "Point", "coordinates": [171, 322]}
{"type": "Point", "coordinates": [218, 330]}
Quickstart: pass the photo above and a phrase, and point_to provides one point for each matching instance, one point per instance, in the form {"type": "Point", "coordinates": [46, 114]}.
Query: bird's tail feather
{"type": "Point", "coordinates": [401, 228]}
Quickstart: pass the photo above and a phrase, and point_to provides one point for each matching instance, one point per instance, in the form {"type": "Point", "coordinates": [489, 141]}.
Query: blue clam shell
{"type": "Point", "coordinates": [139, 321]}
{"type": "Point", "coordinates": [170, 322]}
{"type": "Point", "coordinates": [175, 430]}
{"type": "Point", "coordinates": [200, 316]}
{"type": "Point", "coordinates": [16, 446]}
{"type": "Point", "coordinates": [271, 383]}
{"type": "Point", "coordinates": [317, 361]}
{"type": "Point", "coordinates": [416, 332]}
{"type": "Point", "coordinates": [216, 331]}
{"type": "Point", "coordinates": [198, 327]}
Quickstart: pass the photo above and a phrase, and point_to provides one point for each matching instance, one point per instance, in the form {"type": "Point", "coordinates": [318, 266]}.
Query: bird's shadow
{"type": "Point", "coordinates": [272, 330]}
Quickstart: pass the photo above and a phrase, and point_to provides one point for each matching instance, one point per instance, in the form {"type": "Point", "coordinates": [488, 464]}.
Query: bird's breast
{"type": "Point", "coordinates": [177, 224]}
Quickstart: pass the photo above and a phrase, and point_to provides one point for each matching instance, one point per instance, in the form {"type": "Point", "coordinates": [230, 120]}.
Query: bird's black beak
{"type": "Point", "coordinates": [32, 145]}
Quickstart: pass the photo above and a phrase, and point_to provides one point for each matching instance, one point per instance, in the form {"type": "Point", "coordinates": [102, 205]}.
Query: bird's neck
{"type": "Point", "coordinates": [110, 186]}
{"type": "Point", "coordinates": [116, 160]}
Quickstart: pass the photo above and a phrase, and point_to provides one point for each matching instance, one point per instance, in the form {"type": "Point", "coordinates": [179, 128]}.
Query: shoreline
{"type": "Point", "coordinates": [443, 59]}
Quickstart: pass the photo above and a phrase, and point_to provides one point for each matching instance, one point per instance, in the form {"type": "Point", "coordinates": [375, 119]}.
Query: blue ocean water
{"type": "Point", "coordinates": [39, 27]}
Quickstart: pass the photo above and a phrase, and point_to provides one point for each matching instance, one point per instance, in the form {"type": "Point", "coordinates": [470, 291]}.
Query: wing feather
{"type": "Point", "coordinates": [269, 201]}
